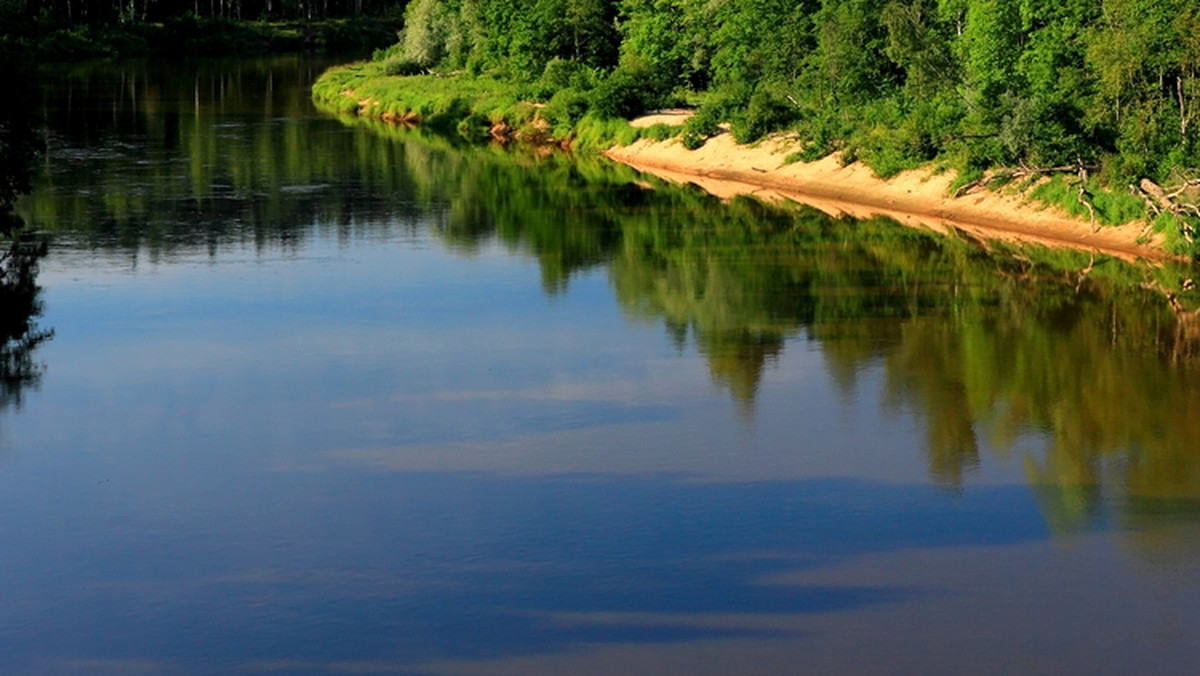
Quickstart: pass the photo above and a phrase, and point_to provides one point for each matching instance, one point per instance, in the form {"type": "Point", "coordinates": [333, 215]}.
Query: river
{"type": "Point", "coordinates": [331, 397]}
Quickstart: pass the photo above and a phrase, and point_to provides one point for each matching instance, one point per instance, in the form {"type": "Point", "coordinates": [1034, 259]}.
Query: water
{"type": "Point", "coordinates": [331, 397]}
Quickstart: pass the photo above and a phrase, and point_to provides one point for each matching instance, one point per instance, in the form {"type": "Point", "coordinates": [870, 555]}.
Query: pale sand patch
{"type": "Point", "coordinates": [916, 198]}
{"type": "Point", "coordinates": [671, 116]}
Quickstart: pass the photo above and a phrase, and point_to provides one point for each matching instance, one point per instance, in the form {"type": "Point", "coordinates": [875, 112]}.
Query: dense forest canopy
{"type": "Point", "coordinates": [1110, 84]}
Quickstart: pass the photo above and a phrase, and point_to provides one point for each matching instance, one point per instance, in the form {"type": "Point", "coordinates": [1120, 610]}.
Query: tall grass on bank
{"type": "Point", "coordinates": [482, 106]}
{"type": "Point", "coordinates": [433, 100]}
{"type": "Point", "coordinates": [474, 106]}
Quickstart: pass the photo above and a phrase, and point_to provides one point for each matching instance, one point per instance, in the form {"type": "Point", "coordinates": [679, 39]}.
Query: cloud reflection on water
{"type": "Point", "coordinates": [417, 568]}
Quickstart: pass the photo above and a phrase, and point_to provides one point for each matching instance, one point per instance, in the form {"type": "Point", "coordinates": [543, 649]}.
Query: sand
{"type": "Point", "coordinates": [916, 198]}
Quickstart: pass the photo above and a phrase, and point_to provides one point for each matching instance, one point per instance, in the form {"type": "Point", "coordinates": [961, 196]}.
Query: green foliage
{"type": "Point", "coordinates": [393, 50]}
{"type": "Point", "coordinates": [704, 123]}
{"type": "Point", "coordinates": [432, 34]}
{"type": "Point", "coordinates": [763, 114]}
{"type": "Point", "coordinates": [630, 90]}
{"type": "Point", "coordinates": [1111, 207]}
{"type": "Point", "coordinates": [595, 133]}
{"type": "Point", "coordinates": [664, 34]}
{"type": "Point", "coordinates": [966, 84]}
{"type": "Point", "coordinates": [692, 140]}
{"type": "Point", "coordinates": [400, 65]}
{"type": "Point", "coordinates": [441, 101]}
{"type": "Point", "coordinates": [964, 177]}
{"type": "Point", "coordinates": [1169, 226]}
{"type": "Point", "coordinates": [189, 36]}
{"type": "Point", "coordinates": [566, 108]}
{"type": "Point", "coordinates": [660, 131]}
{"type": "Point", "coordinates": [561, 74]}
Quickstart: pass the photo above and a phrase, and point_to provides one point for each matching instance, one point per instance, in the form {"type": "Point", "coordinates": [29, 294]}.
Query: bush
{"type": "Point", "coordinates": [763, 114]}
{"type": "Point", "coordinates": [382, 55]}
{"type": "Point", "coordinates": [630, 90]}
{"type": "Point", "coordinates": [400, 65]}
{"type": "Point", "coordinates": [659, 132]}
{"type": "Point", "coordinates": [558, 74]}
{"type": "Point", "coordinates": [692, 140]}
{"type": "Point", "coordinates": [594, 133]}
{"type": "Point", "coordinates": [704, 123]}
{"type": "Point", "coordinates": [566, 107]}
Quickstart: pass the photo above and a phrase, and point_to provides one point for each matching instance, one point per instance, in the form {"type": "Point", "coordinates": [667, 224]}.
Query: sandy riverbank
{"type": "Point", "coordinates": [916, 198]}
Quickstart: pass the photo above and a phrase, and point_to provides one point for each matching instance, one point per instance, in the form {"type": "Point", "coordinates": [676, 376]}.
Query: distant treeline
{"type": "Point", "coordinates": [92, 28]}
{"type": "Point", "coordinates": [64, 13]}
{"type": "Point", "coordinates": [974, 83]}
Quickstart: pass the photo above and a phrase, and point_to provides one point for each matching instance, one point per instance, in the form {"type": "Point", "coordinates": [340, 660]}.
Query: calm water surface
{"type": "Point", "coordinates": [331, 398]}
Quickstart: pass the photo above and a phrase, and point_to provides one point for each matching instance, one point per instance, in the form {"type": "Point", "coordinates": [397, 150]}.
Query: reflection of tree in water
{"type": "Point", "coordinates": [1091, 378]}
{"type": "Point", "coordinates": [20, 144]}
{"type": "Point", "coordinates": [19, 305]}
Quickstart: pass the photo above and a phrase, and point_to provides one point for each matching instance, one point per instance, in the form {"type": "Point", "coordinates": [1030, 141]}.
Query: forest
{"type": "Point", "coordinates": [75, 29]}
{"type": "Point", "coordinates": [27, 14]}
{"type": "Point", "coordinates": [1104, 91]}
{"type": "Point", "coordinates": [1110, 86]}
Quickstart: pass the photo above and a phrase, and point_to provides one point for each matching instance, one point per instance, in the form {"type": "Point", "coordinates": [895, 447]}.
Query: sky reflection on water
{"type": "Point", "coordinates": [364, 424]}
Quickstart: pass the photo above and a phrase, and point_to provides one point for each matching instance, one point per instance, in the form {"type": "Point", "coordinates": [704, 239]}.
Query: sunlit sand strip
{"type": "Point", "coordinates": [916, 198]}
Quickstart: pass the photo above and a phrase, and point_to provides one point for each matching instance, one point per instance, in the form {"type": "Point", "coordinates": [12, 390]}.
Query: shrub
{"type": "Point", "coordinates": [594, 133]}
{"type": "Point", "coordinates": [659, 132]}
{"type": "Point", "coordinates": [558, 74]}
{"type": "Point", "coordinates": [703, 124]}
{"type": "Point", "coordinates": [402, 65]}
{"type": "Point", "coordinates": [763, 114]}
{"type": "Point", "coordinates": [566, 107]}
{"type": "Point", "coordinates": [692, 140]}
{"type": "Point", "coordinates": [630, 90]}
{"type": "Point", "coordinates": [382, 55]}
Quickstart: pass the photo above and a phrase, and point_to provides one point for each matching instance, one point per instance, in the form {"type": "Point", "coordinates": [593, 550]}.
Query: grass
{"type": "Point", "coordinates": [364, 89]}
{"type": "Point", "coordinates": [469, 105]}
{"type": "Point", "coordinates": [474, 106]}
{"type": "Point", "coordinates": [1112, 208]}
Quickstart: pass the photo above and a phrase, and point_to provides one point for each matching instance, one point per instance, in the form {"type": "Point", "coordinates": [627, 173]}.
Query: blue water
{"type": "Point", "coordinates": [357, 447]}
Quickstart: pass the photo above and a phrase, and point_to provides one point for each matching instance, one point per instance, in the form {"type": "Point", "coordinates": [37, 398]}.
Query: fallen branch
{"type": "Point", "coordinates": [1176, 192]}
{"type": "Point", "coordinates": [1151, 205]}
{"type": "Point", "coordinates": [1160, 200]}
{"type": "Point", "coordinates": [1023, 170]}
{"type": "Point", "coordinates": [1083, 179]}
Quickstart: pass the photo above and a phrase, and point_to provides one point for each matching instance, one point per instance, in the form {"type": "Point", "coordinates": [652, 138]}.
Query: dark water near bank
{"type": "Point", "coordinates": [327, 397]}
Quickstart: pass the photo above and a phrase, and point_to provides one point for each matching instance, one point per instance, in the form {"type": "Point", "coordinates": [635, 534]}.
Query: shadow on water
{"type": "Point", "coordinates": [20, 250]}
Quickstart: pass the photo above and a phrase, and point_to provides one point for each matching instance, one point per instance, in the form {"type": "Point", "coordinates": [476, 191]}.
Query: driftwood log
{"type": "Point", "coordinates": [1159, 200]}
{"type": "Point", "coordinates": [1025, 171]}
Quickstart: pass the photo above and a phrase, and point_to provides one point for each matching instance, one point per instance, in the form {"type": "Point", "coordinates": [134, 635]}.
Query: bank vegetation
{"type": "Point", "coordinates": [1099, 97]}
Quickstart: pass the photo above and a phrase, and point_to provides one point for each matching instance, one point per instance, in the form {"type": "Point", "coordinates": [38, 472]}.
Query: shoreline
{"type": "Point", "coordinates": [918, 198]}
